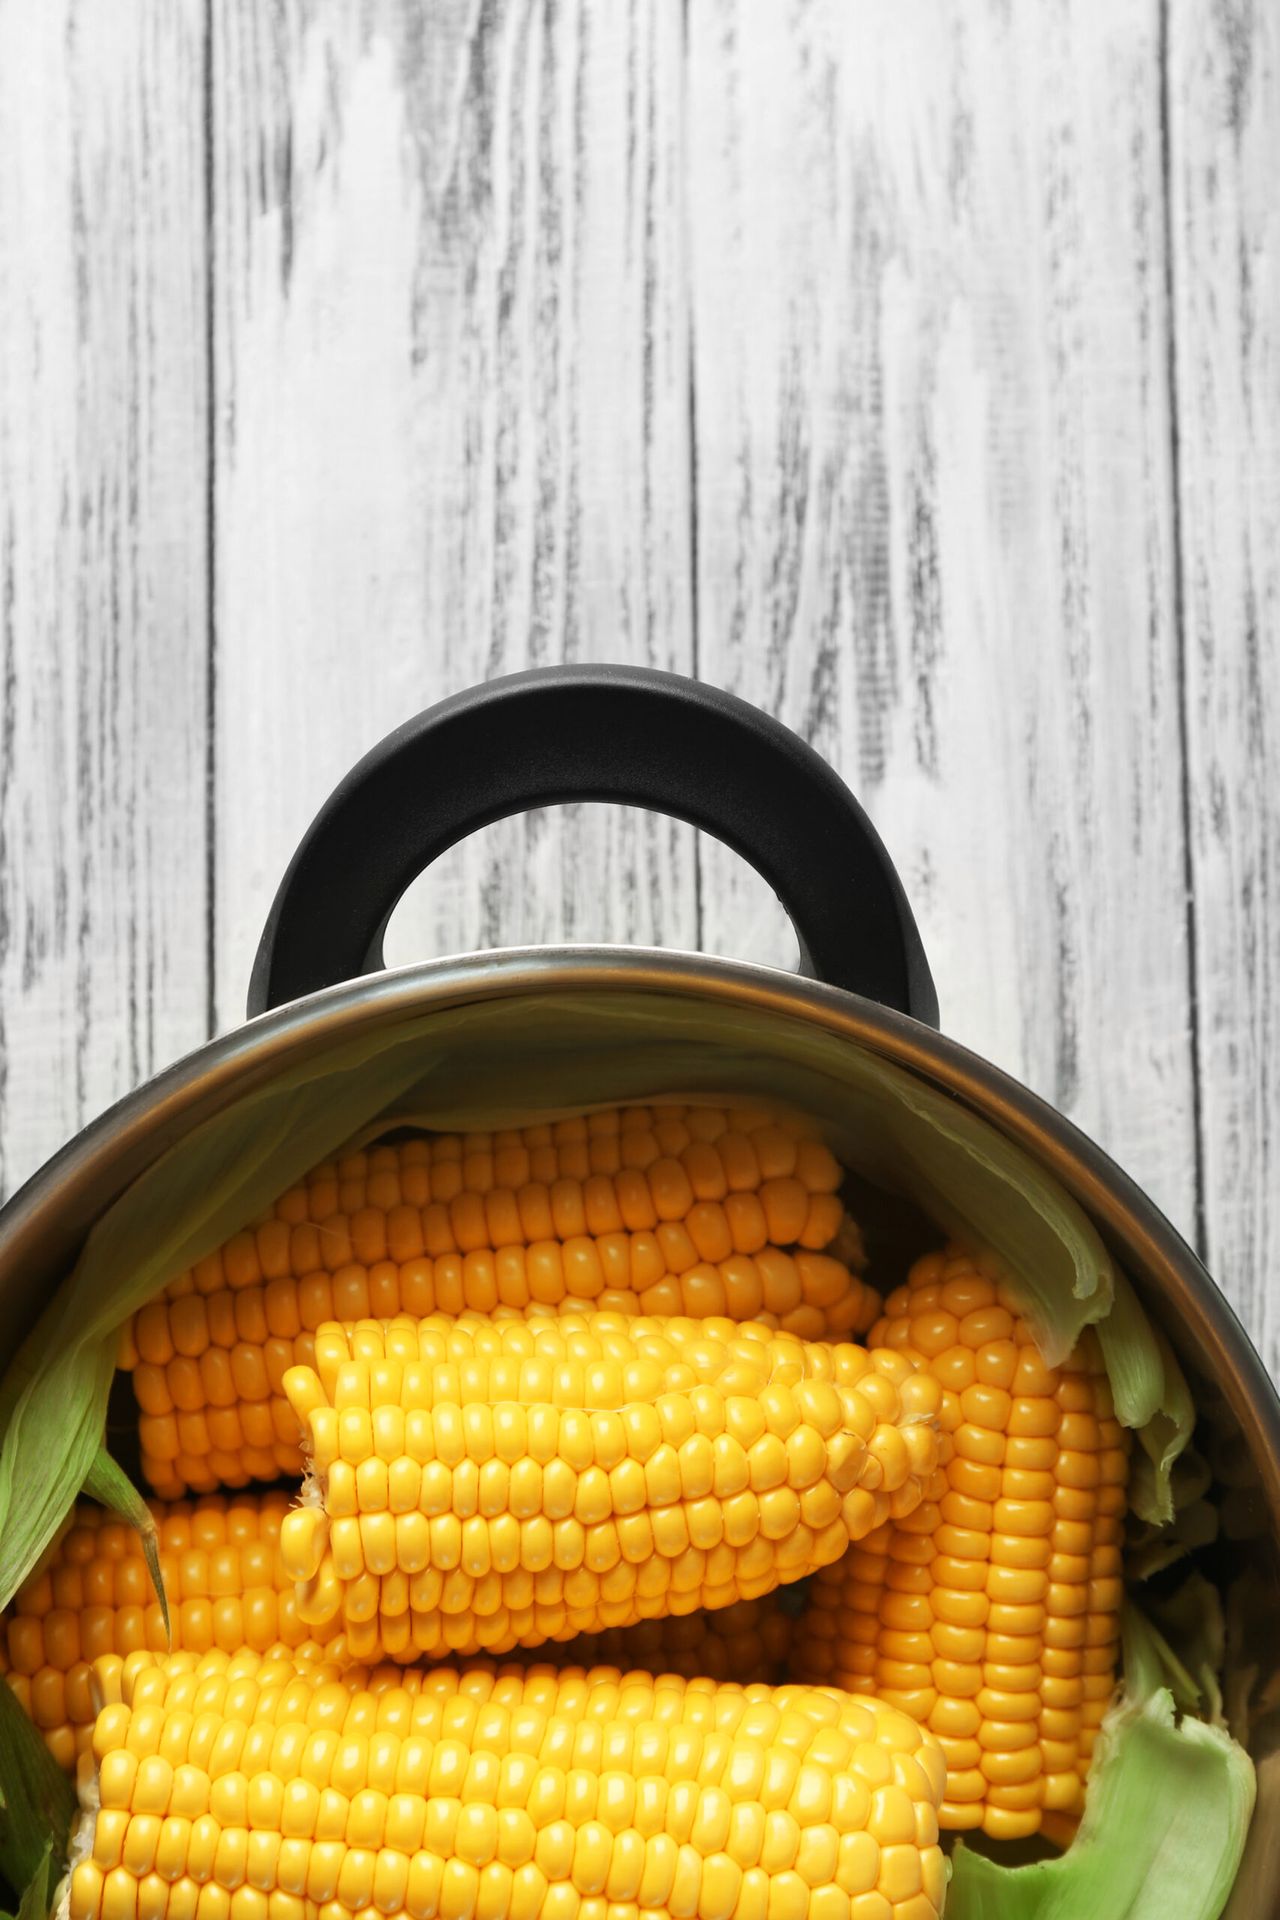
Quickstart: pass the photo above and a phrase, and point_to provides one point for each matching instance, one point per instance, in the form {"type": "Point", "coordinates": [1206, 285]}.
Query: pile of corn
{"type": "Point", "coordinates": [664, 1210]}
{"type": "Point", "coordinates": [588, 1397]}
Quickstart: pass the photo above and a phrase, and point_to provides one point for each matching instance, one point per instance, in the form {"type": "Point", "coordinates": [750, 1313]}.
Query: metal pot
{"type": "Point", "coordinates": [654, 740]}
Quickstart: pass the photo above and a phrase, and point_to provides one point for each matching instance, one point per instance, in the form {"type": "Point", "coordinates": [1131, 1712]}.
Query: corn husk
{"type": "Point", "coordinates": [37, 1805]}
{"type": "Point", "coordinates": [37, 1898]}
{"type": "Point", "coordinates": [108, 1484]}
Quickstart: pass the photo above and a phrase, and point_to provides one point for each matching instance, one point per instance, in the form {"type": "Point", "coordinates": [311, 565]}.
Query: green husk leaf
{"type": "Point", "coordinates": [1151, 1395]}
{"type": "Point", "coordinates": [1151, 1547]}
{"type": "Point", "coordinates": [1166, 1816]}
{"type": "Point", "coordinates": [1191, 1620]}
{"type": "Point", "coordinates": [37, 1898]}
{"type": "Point", "coordinates": [47, 1455]}
{"type": "Point", "coordinates": [37, 1802]}
{"type": "Point", "coordinates": [517, 1060]}
{"type": "Point", "coordinates": [1190, 1529]}
{"type": "Point", "coordinates": [111, 1487]}
{"type": "Point", "coordinates": [1150, 1663]}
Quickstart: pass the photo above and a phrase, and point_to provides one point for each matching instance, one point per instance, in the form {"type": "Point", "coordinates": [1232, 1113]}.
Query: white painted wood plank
{"type": "Point", "coordinates": [1224, 143]}
{"type": "Point", "coordinates": [102, 560]}
{"type": "Point", "coordinates": [934, 502]}
{"type": "Point", "coordinates": [452, 424]}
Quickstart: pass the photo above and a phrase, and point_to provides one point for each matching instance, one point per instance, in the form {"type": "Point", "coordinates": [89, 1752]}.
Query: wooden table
{"type": "Point", "coordinates": [911, 369]}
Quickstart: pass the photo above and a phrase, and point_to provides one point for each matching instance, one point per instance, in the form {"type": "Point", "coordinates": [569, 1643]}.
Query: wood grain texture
{"type": "Point", "coordinates": [1224, 150]}
{"type": "Point", "coordinates": [102, 559]}
{"type": "Point", "coordinates": [452, 422]}
{"type": "Point", "coordinates": [935, 506]}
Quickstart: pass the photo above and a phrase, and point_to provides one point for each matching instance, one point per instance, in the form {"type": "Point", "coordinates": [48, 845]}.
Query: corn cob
{"type": "Point", "coordinates": [91, 1601]}
{"type": "Point", "coordinates": [992, 1612]}
{"type": "Point", "coordinates": [665, 1210]}
{"type": "Point", "coordinates": [491, 1482]}
{"type": "Point", "coordinates": [252, 1789]}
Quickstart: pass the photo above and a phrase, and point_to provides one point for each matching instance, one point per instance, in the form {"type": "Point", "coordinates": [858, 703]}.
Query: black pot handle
{"type": "Point", "coordinates": [624, 734]}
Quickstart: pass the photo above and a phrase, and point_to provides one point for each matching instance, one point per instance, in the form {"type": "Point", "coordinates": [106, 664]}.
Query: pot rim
{"type": "Point", "coordinates": [202, 1081]}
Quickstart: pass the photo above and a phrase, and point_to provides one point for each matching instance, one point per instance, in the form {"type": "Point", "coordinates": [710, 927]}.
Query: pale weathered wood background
{"type": "Point", "coordinates": [911, 369]}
